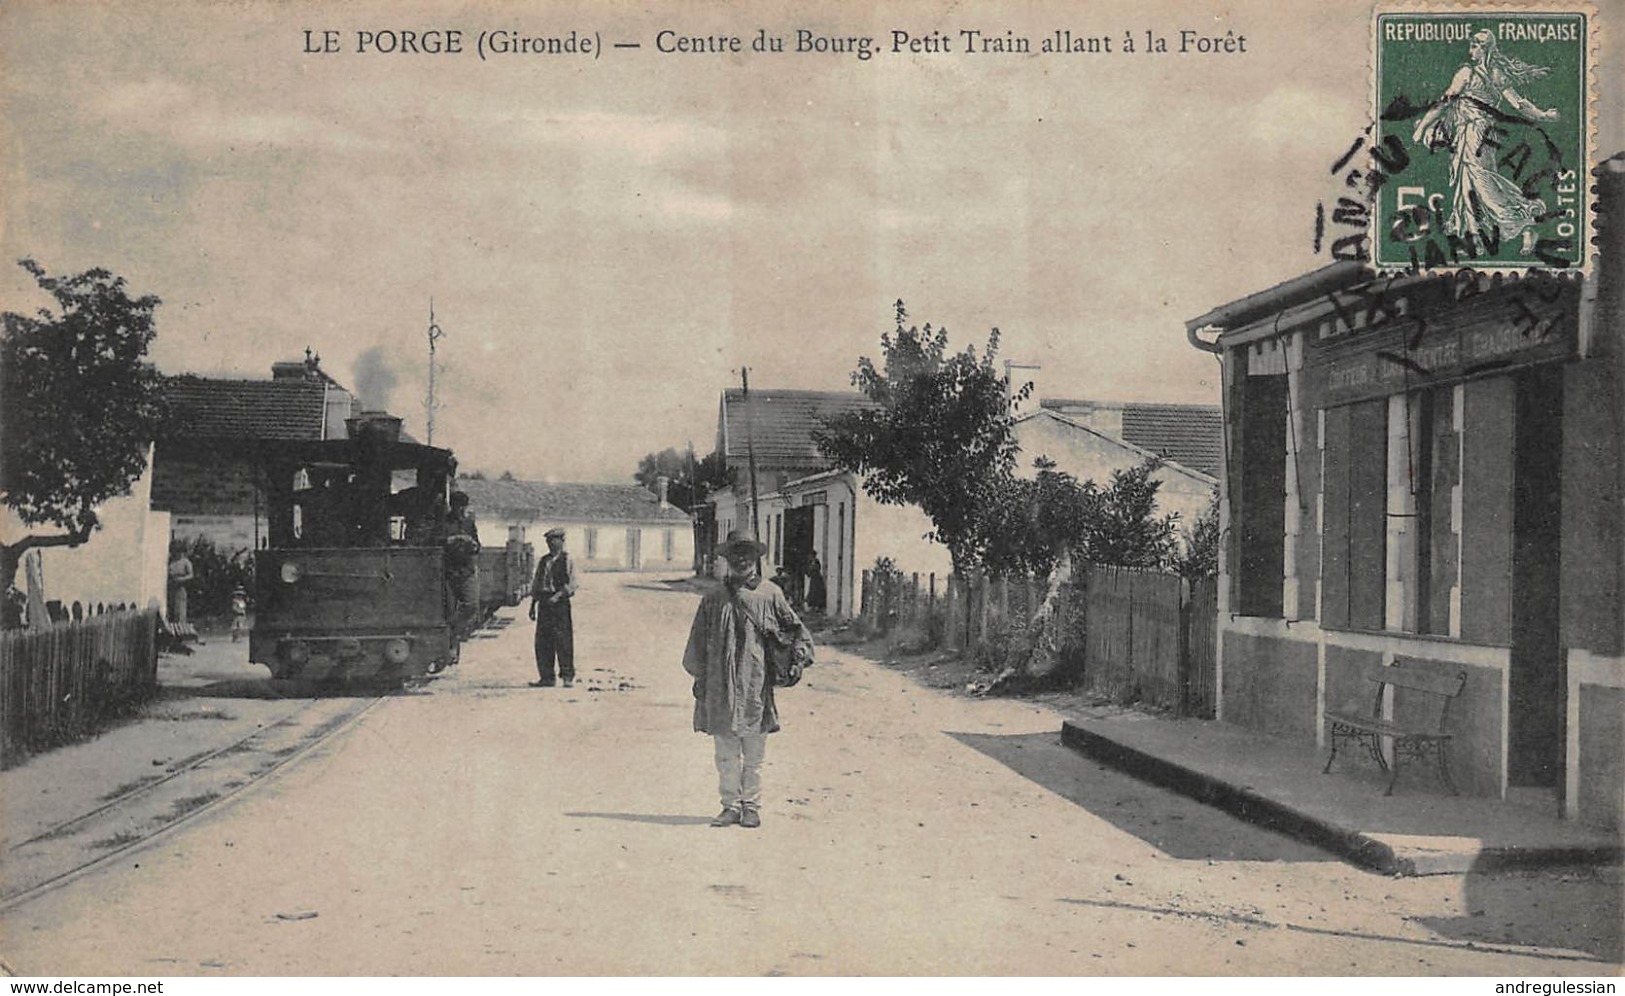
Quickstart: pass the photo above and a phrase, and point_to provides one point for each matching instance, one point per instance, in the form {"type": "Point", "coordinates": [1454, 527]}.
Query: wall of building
{"type": "Point", "coordinates": [662, 546]}
{"type": "Point", "coordinates": [1272, 685]}
{"type": "Point", "coordinates": [1091, 457]}
{"type": "Point", "coordinates": [1279, 677]}
{"type": "Point", "coordinates": [126, 560]}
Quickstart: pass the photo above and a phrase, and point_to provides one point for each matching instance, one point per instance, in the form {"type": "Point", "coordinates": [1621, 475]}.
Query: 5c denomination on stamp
{"type": "Point", "coordinates": [1488, 111]}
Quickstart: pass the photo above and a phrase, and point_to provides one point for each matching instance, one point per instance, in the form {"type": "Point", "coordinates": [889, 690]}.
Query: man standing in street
{"type": "Point", "coordinates": [550, 595]}
{"type": "Point", "coordinates": [733, 690]}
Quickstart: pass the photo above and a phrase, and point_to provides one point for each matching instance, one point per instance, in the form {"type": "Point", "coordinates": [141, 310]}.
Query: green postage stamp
{"type": "Point", "coordinates": [1484, 137]}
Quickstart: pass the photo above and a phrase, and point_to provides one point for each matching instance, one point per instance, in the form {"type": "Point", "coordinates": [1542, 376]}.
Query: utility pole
{"type": "Point", "coordinates": [750, 455]}
{"type": "Point", "coordinates": [429, 403]}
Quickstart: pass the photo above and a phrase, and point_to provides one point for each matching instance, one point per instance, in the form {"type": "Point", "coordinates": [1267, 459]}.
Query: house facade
{"type": "Point", "coordinates": [124, 562]}
{"type": "Point", "coordinates": [827, 511]}
{"type": "Point", "coordinates": [1429, 469]}
{"type": "Point", "coordinates": [203, 468]}
{"type": "Point", "coordinates": [1091, 454]}
{"type": "Point", "coordinates": [607, 527]}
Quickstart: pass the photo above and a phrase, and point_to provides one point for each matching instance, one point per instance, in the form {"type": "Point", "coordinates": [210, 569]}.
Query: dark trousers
{"type": "Point", "coordinates": [462, 602]}
{"type": "Point", "coordinates": [555, 640]}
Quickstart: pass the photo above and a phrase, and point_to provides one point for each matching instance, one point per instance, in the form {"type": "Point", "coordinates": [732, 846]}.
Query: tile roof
{"type": "Point", "coordinates": [568, 502]}
{"type": "Point", "coordinates": [1190, 435]}
{"type": "Point", "coordinates": [244, 409]}
{"type": "Point", "coordinates": [780, 423]}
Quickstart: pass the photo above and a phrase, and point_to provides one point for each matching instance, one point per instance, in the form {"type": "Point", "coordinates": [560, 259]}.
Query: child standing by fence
{"type": "Point", "coordinates": [239, 613]}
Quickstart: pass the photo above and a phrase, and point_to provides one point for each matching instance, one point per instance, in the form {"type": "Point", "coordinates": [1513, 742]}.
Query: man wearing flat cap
{"type": "Point", "coordinates": [733, 690]}
{"type": "Point", "coordinates": [550, 595]}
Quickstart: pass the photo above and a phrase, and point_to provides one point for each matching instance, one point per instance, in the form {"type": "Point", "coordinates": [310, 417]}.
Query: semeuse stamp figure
{"type": "Point", "coordinates": [1483, 198]}
{"type": "Point", "coordinates": [733, 687]}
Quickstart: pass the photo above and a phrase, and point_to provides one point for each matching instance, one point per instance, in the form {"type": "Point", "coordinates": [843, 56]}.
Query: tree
{"type": "Point", "coordinates": [1045, 525]}
{"type": "Point", "coordinates": [1126, 531]}
{"type": "Point", "coordinates": [689, 481]}
{"type": "Point", "coordinates": [1201, 558]}
{"type": "Point", "coordinates": [938, 436]}
{"type": "Point", "coordinates": [80, 406]}
{"type": "Point", "coordinates": [1033, 524]}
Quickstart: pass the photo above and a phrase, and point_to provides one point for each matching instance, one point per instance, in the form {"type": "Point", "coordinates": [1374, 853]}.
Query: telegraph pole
{"type": "Point", "coordinates": [436, 333]}
{"type": "Point", "coordinates": [750, 455]}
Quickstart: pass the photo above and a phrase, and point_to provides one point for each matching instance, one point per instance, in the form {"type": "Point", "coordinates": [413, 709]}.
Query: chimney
{"type": "Point", "coordinates": [662, 485]}
{"type": "Point", "coordinates": [1016, 375]}
{"type": "Point", "coordinates": [374, 426]}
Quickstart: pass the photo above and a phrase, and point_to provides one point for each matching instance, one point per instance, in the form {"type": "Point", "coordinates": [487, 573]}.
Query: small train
{"type": "Point", "coordinates": [505, 575]}
{"type": "Point", "coordinates": [352, 587]}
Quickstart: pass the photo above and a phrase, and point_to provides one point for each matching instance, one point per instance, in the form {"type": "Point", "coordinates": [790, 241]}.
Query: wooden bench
{"type": "Point", "coordinates": [1428, 695]}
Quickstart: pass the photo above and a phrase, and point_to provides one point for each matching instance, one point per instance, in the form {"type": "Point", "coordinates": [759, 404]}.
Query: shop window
{"type": "Point", "coordinates": [1354, 538]}
{"type": "Point", "coordinates": [1258, 495]}
{"type": "Point", "coordinates": [1432, 464]}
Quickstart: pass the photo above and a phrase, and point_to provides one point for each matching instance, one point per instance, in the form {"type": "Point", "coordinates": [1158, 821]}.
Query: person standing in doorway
{"type": "Point", "coordinates": [550, 595]}
{"type": "Point", "coordinates": [180, 580]}
{"type": "Point", "coordinates": [733, 691]}
{"type": "Point", "coordinates": [817, 596]}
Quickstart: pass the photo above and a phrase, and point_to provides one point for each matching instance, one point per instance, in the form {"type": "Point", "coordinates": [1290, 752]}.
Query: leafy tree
{"type": "Point", "coordinates": [1201, 557]}
{"type": "Point", "coordinates": [690, 481]}
{"type": "Point", "coordinates": [1034, 523]}
{"type": "Point", "coordinates": [79, 406]}
{"type": "Point", "coordinates": [939, 436]}
{"type": "Point", "coordinates": [1126, 529]}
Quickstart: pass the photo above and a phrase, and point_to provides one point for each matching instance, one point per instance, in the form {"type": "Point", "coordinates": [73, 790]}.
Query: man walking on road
{"type": "Point", "coordinates": [550, 595]}
{"type": "Point", "coordinates": [733, 691]}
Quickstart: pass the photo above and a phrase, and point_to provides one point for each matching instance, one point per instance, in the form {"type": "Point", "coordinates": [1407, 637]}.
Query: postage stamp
{"type": "Point", "coordinates": [1485, 137]}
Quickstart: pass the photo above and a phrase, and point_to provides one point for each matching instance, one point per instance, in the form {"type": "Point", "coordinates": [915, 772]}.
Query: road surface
{"type": "Point", "coordinates": [480, 826]}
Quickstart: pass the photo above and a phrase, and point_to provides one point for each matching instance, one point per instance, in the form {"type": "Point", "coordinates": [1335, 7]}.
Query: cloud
{"type": "Point", "coordinates": [1296, 118]}
{"type": "Point", "coordinates": [201, 121]}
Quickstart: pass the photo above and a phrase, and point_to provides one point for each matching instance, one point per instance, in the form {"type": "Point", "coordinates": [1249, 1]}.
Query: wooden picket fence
{"type": "Point", "coordinates": [1131, 636]}
{"type": "Point", "coordinates": [65, 681]}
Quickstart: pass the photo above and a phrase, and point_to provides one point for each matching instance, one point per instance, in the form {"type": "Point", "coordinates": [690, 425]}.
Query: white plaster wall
{"type": "Point", "coordinates": [1091, 457]}
{"type": "Point", "coordinates": [897, 531]}
{"type": "Point", "coordinates": [126, 560]}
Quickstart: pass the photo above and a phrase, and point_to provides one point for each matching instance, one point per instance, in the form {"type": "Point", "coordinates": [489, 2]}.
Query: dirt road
{"type": "Point", "coordinates": [481, 826]}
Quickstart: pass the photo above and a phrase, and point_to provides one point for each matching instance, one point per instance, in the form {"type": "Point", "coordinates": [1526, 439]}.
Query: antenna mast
{"type": "Point", "coordinates": [436, 333]}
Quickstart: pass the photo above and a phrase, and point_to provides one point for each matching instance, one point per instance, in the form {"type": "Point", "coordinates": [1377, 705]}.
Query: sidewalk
{"type": "Point", "coordinates": [1420, 830]}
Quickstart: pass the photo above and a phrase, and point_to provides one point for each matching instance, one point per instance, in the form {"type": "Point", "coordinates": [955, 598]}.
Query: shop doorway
{"type": "Point", "coordinates": [798, 548]}
{"type": "Point", "coordinates": [1536, 687]}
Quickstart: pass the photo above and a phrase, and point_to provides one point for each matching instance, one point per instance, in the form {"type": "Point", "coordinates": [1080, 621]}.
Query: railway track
{"type": "Point", "coordinates": [57, 854]}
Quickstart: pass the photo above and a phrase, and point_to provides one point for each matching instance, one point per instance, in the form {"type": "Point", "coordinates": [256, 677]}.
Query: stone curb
{"type": "Point", "coordinates": [1360, 848]}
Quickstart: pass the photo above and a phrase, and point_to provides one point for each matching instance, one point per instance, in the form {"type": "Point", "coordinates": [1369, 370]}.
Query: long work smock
{"type": "Point", "coordinates": [726, 657]}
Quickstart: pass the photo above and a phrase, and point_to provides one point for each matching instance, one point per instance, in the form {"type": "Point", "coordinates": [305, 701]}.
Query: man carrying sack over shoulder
{"type": "Point", "coordinates": [736, 628]}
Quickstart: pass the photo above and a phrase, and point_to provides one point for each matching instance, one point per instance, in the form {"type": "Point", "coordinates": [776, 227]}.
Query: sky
{"type": "Point", "coordinates": [608, 239]}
